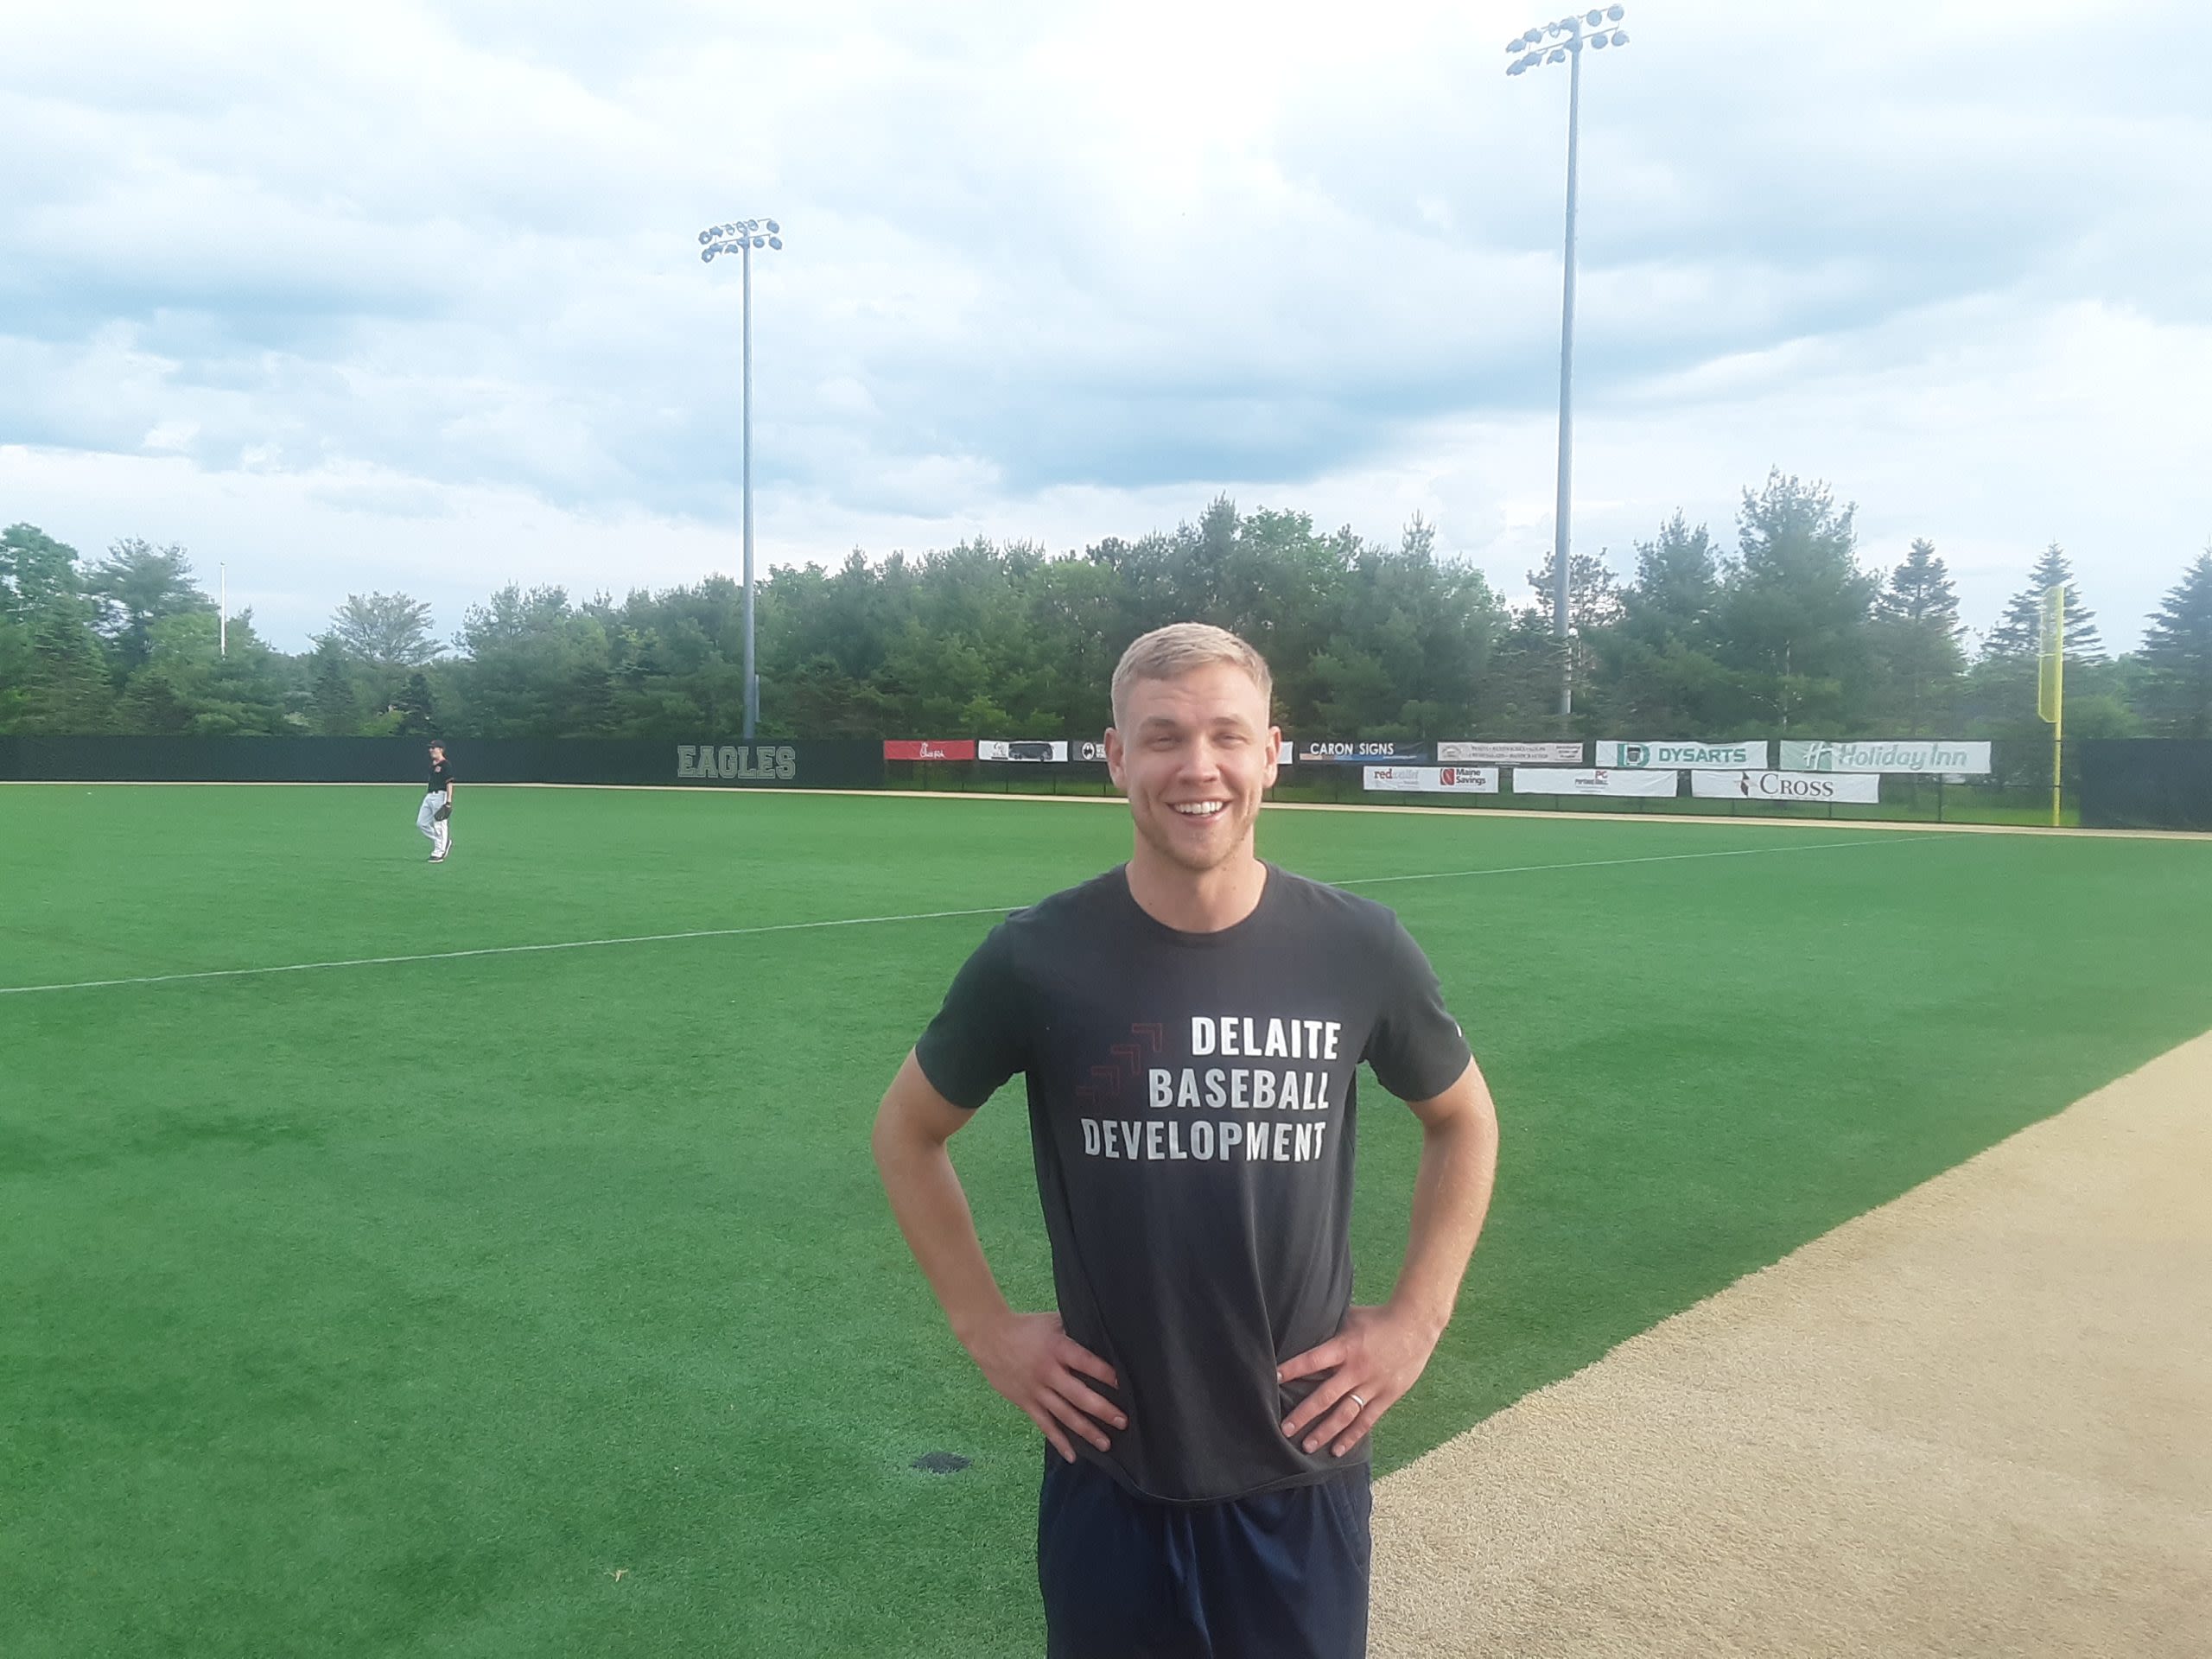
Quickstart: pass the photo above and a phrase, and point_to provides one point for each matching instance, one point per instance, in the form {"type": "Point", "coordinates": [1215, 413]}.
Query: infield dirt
{"type": "Point", "coordinates": [1977, 1420]}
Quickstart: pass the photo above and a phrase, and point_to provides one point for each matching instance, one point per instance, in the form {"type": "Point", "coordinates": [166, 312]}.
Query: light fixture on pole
{"type": "Point", "coordinates": [742, 237]}
{"type": "Point", "coordinates": [1563, 42]}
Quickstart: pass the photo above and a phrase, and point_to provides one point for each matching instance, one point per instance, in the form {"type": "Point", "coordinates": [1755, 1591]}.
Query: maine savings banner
{"type": "Point", "coordinates": [1816, 786]}
{"type": "Point", "coordinates": [1902, 754]}
{"type": "Point", "coordinates": [1659, 756]}
{"type": "Point", "coordinates": [1431, 781]}
{"type": "Point", "coordinates": [1544, 780]}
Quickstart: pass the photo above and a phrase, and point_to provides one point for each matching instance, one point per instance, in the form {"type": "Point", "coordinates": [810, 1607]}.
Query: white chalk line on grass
{"type": "Point", "coordinates": [876, 921]}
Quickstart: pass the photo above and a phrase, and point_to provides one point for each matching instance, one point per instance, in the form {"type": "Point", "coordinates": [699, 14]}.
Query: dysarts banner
{"type": "Point", "coordinates": [1509, 754]}
{"type": "Point", "coordinates": [1900, 754]}
{"type": "Point", "coordinates": [1819, 787]}
{"type": "Point", "coordinates": [1656, 756]}
{"type": "Point", "coordinates": [1322, 752]}
{"type": "Point", "coordinates": [1431, 781]}
{"type": "Point", "coordinates": [1543, 780]}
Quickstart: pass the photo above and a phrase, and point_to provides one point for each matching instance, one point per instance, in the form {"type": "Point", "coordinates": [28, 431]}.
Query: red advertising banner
{"type": "Point", "coordinates": [923, 748]}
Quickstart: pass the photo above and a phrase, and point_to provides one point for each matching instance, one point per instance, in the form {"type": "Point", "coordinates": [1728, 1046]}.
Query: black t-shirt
{"type": "Point", "coordinates": [1192, 1113]}
{"type": "Point", "coordinates": [440, 776]}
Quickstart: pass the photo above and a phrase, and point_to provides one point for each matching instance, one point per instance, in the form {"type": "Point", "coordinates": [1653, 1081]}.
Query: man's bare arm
{"type": "Point", "coordinates": [1381, 1351]}
{"type": "Point", "coordinates": [1027, 1357]}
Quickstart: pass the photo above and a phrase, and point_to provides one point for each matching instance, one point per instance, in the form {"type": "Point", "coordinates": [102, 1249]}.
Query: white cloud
{"type": "Point", "coordinates": [382, 296]}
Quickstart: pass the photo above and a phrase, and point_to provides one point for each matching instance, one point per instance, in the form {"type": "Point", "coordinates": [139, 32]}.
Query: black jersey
{"type": "Point", "coordinates": [1193, 1106]}
{"type": "Point", "coordinates": [440, 776]}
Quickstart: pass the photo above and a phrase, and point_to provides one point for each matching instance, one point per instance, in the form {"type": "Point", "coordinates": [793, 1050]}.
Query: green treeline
{"type": "Point", "coordinates": [1784, 631]}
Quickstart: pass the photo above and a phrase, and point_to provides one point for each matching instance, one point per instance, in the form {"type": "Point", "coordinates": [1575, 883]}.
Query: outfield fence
{"type": "Point", "coordinates": [822, 763]}
{"type": "Point", "coordinates": [2016, 790]}
{"type": "Point", "coordinates": [2118, 783]}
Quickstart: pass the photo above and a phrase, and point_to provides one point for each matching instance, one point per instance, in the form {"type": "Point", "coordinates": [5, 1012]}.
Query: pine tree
{"type": "Point", "coordinates": [2019, 632]}
{"type": "Point", "coordinates": [417, 716]}
{"type": "Point", "coordinates": [68, 690]}
{"type": "Point", "coordinates": [1917, 632]}
{"type": "Point", "coordinates": [337, 708]}
{"type": "Point", "coordinates": [1794, 608]}
{"type": "Point", "coordinates": [2177, 655]}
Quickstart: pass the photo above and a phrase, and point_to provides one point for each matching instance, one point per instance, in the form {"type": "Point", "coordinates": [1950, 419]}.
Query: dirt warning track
{"type": "Point", "coordinates": [1977, 1420]}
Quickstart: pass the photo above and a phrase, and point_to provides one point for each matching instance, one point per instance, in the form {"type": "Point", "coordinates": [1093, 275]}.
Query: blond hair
{"type": "Point", "coordinates": [1169, 653]}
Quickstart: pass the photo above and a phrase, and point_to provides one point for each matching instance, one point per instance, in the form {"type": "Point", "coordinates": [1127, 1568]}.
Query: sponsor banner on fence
{"type": "Point", "coordinates": [1543, 780]}
{"type": "Point", "coordinates": [1900, 754]}
{"type": "Point", "coordinates": [1323, 753]}
{"type": "Point", "coordinates": [1817, 786]}
{"type": "Point", "coordinates": [1659, 756]}
{"type": "Point", "coordinates": [1431, 781]}
{"type": "Point", "coordinates": [923, 748]}
{"type": "Point", "coordinates": [1095, 751]}
{"type": "Point", "coordinates": [1510, 754]}
{"type": "Point", "coordinates": [1032, 749]}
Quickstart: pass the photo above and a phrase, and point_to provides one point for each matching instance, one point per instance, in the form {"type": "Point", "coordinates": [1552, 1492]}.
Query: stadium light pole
{"type": "Point", "coordinates": [1563, 42]}
{"type": "Point", "coordinates": [742, 237]}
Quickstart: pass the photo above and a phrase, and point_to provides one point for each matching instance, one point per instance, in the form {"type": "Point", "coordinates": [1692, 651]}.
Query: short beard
{"type": "Point", "coordinates": [1162, 840]}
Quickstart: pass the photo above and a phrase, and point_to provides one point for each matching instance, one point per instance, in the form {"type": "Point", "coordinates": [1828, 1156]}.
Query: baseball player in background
{"type": "Point", "coordinates": [435, 819]}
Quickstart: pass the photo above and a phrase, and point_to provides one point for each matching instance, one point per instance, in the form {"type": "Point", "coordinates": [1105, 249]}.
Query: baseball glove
{"type": "Point", "coordinates": [443, 813]}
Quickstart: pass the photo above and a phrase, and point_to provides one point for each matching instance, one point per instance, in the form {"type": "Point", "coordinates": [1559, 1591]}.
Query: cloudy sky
{"type": "Point", "coordinates": [408, 298]}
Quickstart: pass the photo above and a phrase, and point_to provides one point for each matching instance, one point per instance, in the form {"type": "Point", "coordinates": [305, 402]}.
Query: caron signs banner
{"type": "Point", "coordinates": [1322, 753]}
{"type": "Point", "coordinates": [1901, 754]}
{"type": "Point", "coordinates": [1816, 786]}
{"type": "Point", "coordinates": [1659, 756]}
{"type": "Point", "coordinates": [1433, 780]}
{"type": "Point", "coordinates": [1541, 780]}
{"type": "Point", "coordinates": [1509, 754]}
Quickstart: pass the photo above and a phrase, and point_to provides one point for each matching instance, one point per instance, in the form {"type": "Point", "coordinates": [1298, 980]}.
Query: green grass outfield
{"type": "Point", "coordinates": [543, 1302]}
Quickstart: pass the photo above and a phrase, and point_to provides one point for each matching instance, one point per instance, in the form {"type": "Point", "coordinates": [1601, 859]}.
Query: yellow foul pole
{"type": "Point", "coordinates": [2050, 686]}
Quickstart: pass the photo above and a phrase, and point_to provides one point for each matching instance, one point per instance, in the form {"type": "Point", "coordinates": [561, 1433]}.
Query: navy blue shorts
{"type": "Point", "coordinates": [1279, 1575]}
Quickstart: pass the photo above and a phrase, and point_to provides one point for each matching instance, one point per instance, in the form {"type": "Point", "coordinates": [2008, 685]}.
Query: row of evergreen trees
{"type": "Point", "coordinates": [1787, 632]}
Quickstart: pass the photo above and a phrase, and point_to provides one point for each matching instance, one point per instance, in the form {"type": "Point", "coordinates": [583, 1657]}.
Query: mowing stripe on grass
{"type": "Point", "coordinates": [1601, 863]}
{"type": "Point", "coordinates": [872, 921]}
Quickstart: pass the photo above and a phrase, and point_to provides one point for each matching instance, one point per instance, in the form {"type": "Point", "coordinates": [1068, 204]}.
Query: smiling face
{"type": "Point", "coordinates": [1194, 755]}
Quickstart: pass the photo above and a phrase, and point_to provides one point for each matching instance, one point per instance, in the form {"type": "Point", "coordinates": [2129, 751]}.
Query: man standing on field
{"type": "Point", "coordinates": [434, 818]}
{"type": "Point", "coordinates": [1190, 1025]}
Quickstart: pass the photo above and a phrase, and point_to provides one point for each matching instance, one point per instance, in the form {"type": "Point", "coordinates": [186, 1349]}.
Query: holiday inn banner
{"type": "Point", "coordinates": [1901, 754]}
